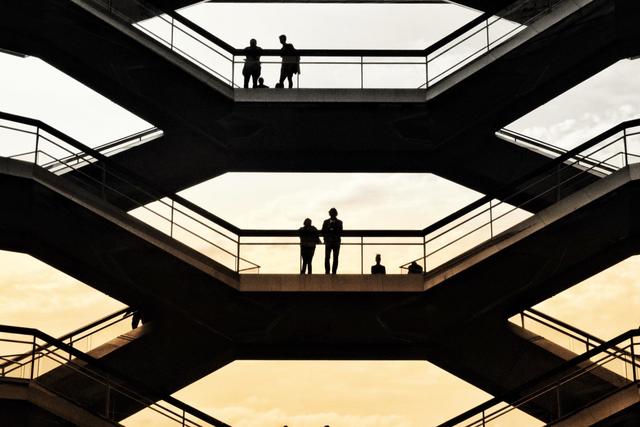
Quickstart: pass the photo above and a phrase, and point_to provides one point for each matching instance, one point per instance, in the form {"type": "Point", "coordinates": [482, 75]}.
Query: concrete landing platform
{"type": "Point", "coordinates": [331, 283]}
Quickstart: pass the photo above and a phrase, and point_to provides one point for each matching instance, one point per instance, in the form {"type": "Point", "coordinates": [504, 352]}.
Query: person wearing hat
{"type": "Point", "coordinates": [331, 231]}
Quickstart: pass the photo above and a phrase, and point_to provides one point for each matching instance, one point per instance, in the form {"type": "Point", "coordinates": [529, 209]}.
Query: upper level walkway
{"type": "Point", "coordinates": [421, 132]}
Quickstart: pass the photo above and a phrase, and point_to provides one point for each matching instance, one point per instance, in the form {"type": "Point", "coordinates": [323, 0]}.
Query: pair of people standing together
{"type": "Point", "coordinates": [252, 68]}
{"type": "Point", "coordinates": [310, 237]}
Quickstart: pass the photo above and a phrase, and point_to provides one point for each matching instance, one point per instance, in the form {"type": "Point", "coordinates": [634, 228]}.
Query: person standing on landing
{"type": "Point", "coordinates": [332, 232]}
{"type": "Point", "coordinates": [290, 62]}
{"type": "Point", "coordinates": [252, 68]}
{"type": "Point", "coordinates": [309, 237]}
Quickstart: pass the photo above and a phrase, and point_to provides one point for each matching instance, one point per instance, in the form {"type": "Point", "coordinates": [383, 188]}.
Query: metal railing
{"type": "Point", "coordinates": [113, 397]}
{"type": "Point", "coordinates": [360, 68]}
{"type": "Point", "coordinates": [555, 389]}
{"type": "Point", "coordinates": [584, 340]}
{"type": "Point", "coordinates": [483, 221]}
{"type": "Point", "coordinates": [109, 149]}
{"type": "Point", "coordinates": [85, 338]}
{"type": "Point", "coordinates": [39, 143]}
{"type": "Point", "coordinates": [474, 225]}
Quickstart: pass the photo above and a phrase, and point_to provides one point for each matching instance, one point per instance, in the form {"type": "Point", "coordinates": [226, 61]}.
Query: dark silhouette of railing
{"type": "Point", "coordinates": [474, 224]}
{"type": "Point", "coordinates": [617, 355]}
{"type": "Point", "coordinates": [47, 354]}
{"type": "Point", "coordinates": [221, 60]}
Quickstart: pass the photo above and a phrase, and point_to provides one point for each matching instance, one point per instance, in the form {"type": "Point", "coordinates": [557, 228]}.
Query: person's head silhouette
{"type": "Point", "coordinates": [261, 81]}
{"type": "Point", "coordinates": [378, 258]}
{"type": "Point", "coordinates": [253, 43]}
{"type": "Point", "coordinates": [307, 222]}
{"type": "Point", "coordinates": [283, 38]}
{"type": "Point", "coordinates": [333, 212]}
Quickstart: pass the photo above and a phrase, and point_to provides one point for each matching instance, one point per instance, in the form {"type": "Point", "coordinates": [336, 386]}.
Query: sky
{"type": "Point", "coordinates": [370, 394]}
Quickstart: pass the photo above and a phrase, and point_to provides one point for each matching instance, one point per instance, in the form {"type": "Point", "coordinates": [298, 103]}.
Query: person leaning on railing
{"type": "Point", "coordinates": [252, 68]}
{"type": "Point", "coordinates": [309, 238]}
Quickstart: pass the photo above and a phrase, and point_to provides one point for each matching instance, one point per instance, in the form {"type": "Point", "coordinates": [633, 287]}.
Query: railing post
{"type": "Point", "coordinates": [424, 253]}
{"type": "Point", "coordinates": [487, 29]}
{"type": "Point", "coordinates": [233, 71]}
{"type": "Point", "coordinates": [238, 256]}
{"type": "Point", "coordinates": [37, 144]}
{"type": "Point", "coordinates": [633, 362]}
{"type": "Point", "coordinates": [172, 26]}
{"type": "Point", "coordinates": [33, 357]}
{"type": "Point", "coordinates": [361, 72]}
{"type": "Point", "coordinates": [361, 254]}
{"type": "Point", "coordinates": [426, 72]}
{"type": "Point", "coordinates": [483, 422]}
{"type": "Point", "coordinates": [172, 210]}
{"type": "Point", "coordinates": [183, 418]}
{"type": "Point", "coordinates": [522, 319]}
{"type": "Point", "coordinates": [626, 153]}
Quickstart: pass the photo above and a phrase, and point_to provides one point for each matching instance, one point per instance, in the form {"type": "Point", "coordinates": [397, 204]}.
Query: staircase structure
{"type": "Point", "coordinates": [550, 218]}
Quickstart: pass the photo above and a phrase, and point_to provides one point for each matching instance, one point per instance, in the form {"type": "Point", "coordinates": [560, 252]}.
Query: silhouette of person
{"type": "Point", "coordinates": [261, 84]}
{"type": "Point", "coordinates": [309, 237]}
{"type": "Point", "coordinates": [331, 231]}
{"type": "Point", "coordinates": [290, 62]}
{"type": "Point", "coordinates": [136, 318]}
{"type": "Point", "coordinates": [415, 268]}
{"type": "Point", "coordinates": [252, 68]}
{"type": "Point", "coordinates": [378, 268]}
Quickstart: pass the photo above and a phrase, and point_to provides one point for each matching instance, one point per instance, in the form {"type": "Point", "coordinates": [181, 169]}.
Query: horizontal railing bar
{"type": "Point", "coordinates": [151, 394]}
{"type": "Point", "coordinates": [506, 397]}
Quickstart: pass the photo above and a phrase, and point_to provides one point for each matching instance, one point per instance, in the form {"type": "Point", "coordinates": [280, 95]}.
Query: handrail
{"type": "Point", "coordinates": [144, 390]}
{"type": "Point", "coordinates": [76, 332]}
{"type": "Point", "coordinates": [223, 50]}
{"type": "Point", "coordinates": [337, 52]}
{"type": "Point", "coordinates": [505, 192]}
{"type": "Point", "coordinates": [585, 337]}
{"type": "Point", "coordinates": [544, 379]}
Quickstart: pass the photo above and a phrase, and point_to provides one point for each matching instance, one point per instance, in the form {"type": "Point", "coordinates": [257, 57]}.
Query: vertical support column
{"type": "Point", "coordinates": [633, 362]}
{"type": "Point", "coordinates": [37, 145]}
{"type": "Point", "coordinates": [361, 255]}
{"type": "Point", "coordinates": [626, 151]}
{"type": "Point", "coordinates": [233, 71]}
{"type": "Point", "coordinates": [172, 27]}
{"type": "Point", "coordinates": [487, 30]}
{"type": "Point", "coordinates": [424, 253]}
{"type": "Point", "coordinates": [238, 256]}
{"type": "Point", "coordinates": [33, 357]}
{"type": "Point", "coordinates": [361, 72]}
{"type": "Point", "coordinates": [426, 72]}
{"type": "Point", "coordinates": [172, 209]}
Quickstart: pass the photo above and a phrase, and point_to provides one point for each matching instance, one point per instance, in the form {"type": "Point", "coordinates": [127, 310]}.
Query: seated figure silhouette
{"type": "Point", "coordinates": [415, 268]}
{"type": "Point", "coordinates": [261, 84]}
{"type": "Point", "coordinates": [290, 62]}
{"type": "Point", "coordinates": [309, 238]}
{"type": "Point", "coordinates": [252, 68]}
{"type": "Point", "coordinates": [378, 268]}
